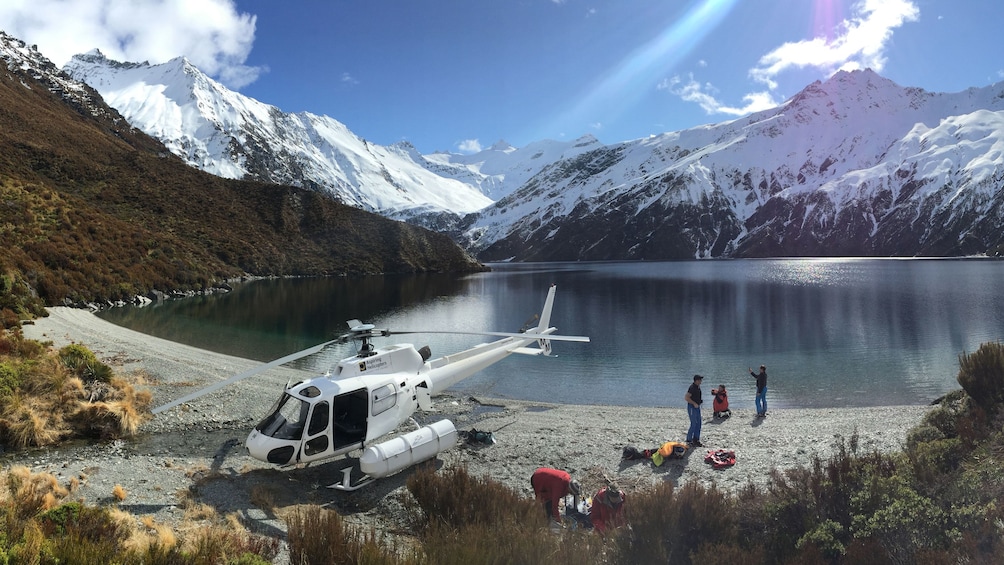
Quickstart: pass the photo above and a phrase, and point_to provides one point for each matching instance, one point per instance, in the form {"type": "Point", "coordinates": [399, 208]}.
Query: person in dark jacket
{"type": "Point", "coordinates": [693, 398]}
{"type": "Point", "coordinates": [550, 486]}
{"type": "Point", "coordinates": [761, 391]}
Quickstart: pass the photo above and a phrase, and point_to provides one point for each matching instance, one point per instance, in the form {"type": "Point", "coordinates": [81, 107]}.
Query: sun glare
{"type": "Point", "coordinates": [622, 85]}
{"type": "Point", "coordinates": [827, 16]}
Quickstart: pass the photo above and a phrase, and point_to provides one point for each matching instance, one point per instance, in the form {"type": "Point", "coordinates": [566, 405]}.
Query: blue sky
{"type": "Point", "coordinates": [458, 75]}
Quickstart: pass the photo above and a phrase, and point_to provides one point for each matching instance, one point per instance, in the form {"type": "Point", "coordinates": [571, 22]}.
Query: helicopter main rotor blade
{"type": "Point", "coordinates": [244, 375]}
{"type": "Point", "coordinates": [525, 335]}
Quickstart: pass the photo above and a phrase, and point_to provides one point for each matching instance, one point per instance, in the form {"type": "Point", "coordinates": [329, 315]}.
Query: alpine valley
{"type": "Point", "coordinates": [852, 166]}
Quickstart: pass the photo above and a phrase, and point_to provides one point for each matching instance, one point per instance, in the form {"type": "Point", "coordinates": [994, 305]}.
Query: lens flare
{"type": "Point", "coordinates": [639, 72]}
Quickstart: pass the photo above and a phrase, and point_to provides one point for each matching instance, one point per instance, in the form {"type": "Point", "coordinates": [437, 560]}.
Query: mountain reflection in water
{"type": "Point", "coordinates": [832, 332]}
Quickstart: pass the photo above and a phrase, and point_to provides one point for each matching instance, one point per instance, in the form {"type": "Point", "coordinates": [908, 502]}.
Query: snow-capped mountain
{"type": "Point", "coordinates": [501, 169]}
{"type": "Point", "coordinates": [18, 55]}
{"type": "Point", "coordinates": [854, 166]}
{"type": "Point", "coordinates": [233, 136]}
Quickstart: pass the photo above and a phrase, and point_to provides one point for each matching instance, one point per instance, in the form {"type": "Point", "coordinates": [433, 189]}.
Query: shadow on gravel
{"type": "Point", "coordinates": [255, 494]}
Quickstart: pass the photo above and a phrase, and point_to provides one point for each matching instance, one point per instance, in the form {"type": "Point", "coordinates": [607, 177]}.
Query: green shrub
{"type": "Point", "coordinates": [83, 522]}
{"type": "Point", "coordinates": [902, 520]}
{"type": "Point", "coordinates": [10, 379]}
{"type": "Point", "coordinates": [826, 537]}
{"type": "Point", "coordinates": [981, 375]}
{"type": "Point", "coordinates": [81, 362]}
{"type": "Point", "coordinates": [934, 459]}
{"type": "Point", "coordinates": [944, 418]}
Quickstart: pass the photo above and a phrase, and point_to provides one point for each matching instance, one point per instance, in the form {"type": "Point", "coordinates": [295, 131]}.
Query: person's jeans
{"type": "Point", "coordinates": [694, 433]}
{"type": "Point", "coordinates": [761, 401]}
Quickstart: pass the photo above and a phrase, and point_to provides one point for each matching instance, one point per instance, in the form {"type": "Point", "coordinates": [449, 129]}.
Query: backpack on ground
{"type": "Point", "coordinates": [721, 458]}
{"type": "Point", "coordinates": [476, 436]}
{"type": "Point", "coordinates": [669, 450]}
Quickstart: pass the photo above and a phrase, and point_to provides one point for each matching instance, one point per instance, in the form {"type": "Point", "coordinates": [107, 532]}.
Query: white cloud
{"type": "Point", "coordinates": [349, 79]}
{"type": "Point", "coordinates": [210, 33]}
{"type": "Point", "coordinates": [706, 97]}
{"type": "Point", "coordinates": [469, 146]}
{"type": "Point", "coordinates": [858, 43]}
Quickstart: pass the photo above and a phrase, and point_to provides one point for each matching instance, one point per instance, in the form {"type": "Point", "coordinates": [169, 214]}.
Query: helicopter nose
{"type": "Point", "coordinates": [270, 449]}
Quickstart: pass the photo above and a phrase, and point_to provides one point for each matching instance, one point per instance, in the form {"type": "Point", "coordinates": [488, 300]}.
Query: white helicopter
{"type": "Point", "coordinates": [369, 395]}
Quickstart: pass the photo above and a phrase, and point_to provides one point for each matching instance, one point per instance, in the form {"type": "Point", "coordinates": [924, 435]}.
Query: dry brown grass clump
{"type": "Point", "coordinates": [27, 493]}
{"type": "Point", "coordinates": [48, 396]}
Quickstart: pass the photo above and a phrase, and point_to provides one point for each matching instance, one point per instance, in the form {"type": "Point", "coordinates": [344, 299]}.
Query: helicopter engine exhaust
{"type": "Point", "coordinates": [401, 452]}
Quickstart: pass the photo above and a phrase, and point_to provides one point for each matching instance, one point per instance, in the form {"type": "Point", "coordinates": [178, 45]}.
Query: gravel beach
{"type": "Point", "coordinates": [198, 447]}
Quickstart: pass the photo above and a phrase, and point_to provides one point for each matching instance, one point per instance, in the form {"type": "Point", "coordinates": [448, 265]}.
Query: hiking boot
{"type": "Point", "coordinates": [697, 443]}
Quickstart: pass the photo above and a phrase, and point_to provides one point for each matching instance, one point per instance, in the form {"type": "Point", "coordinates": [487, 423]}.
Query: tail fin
{"type": "Point", "coordinates": [545, 320]}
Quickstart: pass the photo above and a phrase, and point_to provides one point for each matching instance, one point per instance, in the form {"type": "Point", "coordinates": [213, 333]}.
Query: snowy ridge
{"type": "Point", "coordinates": [231, 135]}
{"type": "Point", "coordinates": [843, 168]}
{"type": "Point", "coordinates": [855, 165]}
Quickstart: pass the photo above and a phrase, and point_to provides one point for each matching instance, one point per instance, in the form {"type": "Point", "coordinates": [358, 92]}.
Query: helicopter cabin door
{"type": "Point", "coordinates": [335, 428]}
{"type": "Point", "coordinates": [350, 412]}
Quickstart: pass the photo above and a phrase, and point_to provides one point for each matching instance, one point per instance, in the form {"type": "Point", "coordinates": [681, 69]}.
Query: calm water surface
{"type": "Point", "coordinates": [859, 332]}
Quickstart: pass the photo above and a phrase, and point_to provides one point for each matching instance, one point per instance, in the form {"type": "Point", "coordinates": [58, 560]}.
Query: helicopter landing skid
{"type": "Point", "coordinates": [346, 482]}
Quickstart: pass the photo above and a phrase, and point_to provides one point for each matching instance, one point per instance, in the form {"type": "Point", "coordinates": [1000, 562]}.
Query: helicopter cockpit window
{"type": "Point", "coordinates": [384, 398]}
{"type": "Point", "coordinates": [319, 420]}
{"type": "Point", "coordinates": [287, 420]}
{"type": "Point", "coordinates": [310, 392]}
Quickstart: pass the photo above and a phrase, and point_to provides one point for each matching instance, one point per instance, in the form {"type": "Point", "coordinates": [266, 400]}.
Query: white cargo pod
{"type": "Point", "coordinates": [404, 451]}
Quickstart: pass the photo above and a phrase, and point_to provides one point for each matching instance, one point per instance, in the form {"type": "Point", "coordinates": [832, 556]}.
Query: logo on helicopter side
{"type": "Point", "coordinates": [372, 364]}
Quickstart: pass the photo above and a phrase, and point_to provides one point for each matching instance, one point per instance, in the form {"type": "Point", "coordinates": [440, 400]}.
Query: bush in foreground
{"type": "Point", "coordinates": [48, 396]}
{"type": "Point", "coordinates": [981, 375]}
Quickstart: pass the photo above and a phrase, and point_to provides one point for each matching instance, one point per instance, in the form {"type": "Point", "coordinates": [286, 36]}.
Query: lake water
{"type": "Point", "coordinates": [845, 332]}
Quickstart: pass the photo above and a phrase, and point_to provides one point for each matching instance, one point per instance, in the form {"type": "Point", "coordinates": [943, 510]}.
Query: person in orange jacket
{"type": "Point", "coordinates": [607, 511]}
{"type": "Point", "coordinates": [550, 486]}
{"type": "Point", "coordinates": [721, 402]}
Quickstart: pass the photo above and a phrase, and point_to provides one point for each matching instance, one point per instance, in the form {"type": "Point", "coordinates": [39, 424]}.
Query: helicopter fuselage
{"type": "Point", "coordinates": [367, 396]}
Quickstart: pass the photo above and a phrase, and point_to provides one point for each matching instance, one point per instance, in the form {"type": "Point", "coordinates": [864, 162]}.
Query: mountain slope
{"type": "Point", "coordinates": [93, 209]}
{"type": "Point", "coordinates": [855, 166]}
{"type": "Point", "coordinates": [233, 136]}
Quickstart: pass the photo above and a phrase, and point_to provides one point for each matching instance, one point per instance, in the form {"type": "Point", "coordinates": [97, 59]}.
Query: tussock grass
{"type": "Point", "coordinates": [318, 535]}
{"type": "Point", "coordinates": [46, 397]}
{"type": "Point", "coordinates": [39, 525]}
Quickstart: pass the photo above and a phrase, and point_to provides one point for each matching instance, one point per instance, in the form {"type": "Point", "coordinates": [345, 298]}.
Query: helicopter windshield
{"type": "Point", "coordinates": [287, 419]}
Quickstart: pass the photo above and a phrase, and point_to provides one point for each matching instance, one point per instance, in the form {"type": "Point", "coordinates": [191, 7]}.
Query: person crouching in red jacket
{"type": "Point", "coordinates": [550, 486]}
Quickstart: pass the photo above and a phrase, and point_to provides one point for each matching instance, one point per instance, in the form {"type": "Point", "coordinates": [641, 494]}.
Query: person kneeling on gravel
{"type": "Point", "coordinates": [607, 511]}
